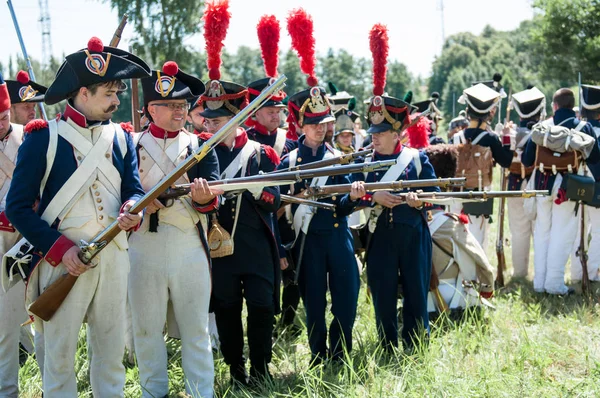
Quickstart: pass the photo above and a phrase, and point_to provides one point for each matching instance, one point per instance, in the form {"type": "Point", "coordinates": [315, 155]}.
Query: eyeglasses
{"type": "Point", "coordinates": [174, 107]}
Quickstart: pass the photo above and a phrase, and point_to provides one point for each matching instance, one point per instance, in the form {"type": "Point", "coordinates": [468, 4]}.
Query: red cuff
{"type": "Point", "coordinates": [367, 198]}
{"type": "Point", "coordinates": [267, 197]}
{"type": "Point", "coordinates": [212, 205]}
{"type": "Point", "coordinates": [122, 210]}
{"type": "Point", "coordinates": [506, 140]}
{"type": "Point", "coordinates": [486, 295]}
{"type": "Point", "coordinates": [6, 225]}
{"type": "Point", "coordinates": [58, 250]}
{"type": "Point", "coordinates": [561, 196]}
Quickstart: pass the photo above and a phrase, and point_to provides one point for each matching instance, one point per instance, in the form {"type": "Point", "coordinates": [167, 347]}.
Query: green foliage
{"type": "Point", "coordinates": [566, 36]}
{"type": "Point", "coordinates": [467, 58]}
{"type": "Point", "coordinates": [161, 28]}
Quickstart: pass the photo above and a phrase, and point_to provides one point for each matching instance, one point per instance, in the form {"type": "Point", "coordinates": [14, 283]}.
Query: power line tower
{"type": "Point", "coordinates": [441, 8]}
{"type": "Point", "coordinates": [46, 38]}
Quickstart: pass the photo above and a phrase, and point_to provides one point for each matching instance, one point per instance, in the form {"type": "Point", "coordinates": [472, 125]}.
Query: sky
{"type": "Point", "coordinates": [415, 27]}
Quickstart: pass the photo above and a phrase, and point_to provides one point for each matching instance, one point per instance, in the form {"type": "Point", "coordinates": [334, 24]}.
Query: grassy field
{"type": "Point", "coordinates": [530, 345]}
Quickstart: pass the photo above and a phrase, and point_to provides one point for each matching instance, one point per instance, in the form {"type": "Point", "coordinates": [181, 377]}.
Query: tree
{"type": "Point", "coordinates": [161, 27]}
{"type": "Point", "coordinates": [566, 36]}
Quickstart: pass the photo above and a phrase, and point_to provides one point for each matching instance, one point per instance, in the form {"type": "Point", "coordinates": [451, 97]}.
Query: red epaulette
{"type": "Point", "coordinates": [127, 127]}
{"type": "Point", "coordinates": [271, 154]}
{"type": "Point", "coordinates": [34, 125]}
{"type": "Point", "coordinates": [205, 136]}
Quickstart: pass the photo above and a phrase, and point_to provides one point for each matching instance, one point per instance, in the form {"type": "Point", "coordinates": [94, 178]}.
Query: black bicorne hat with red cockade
{"type": "Point", "coordinates": [95, 64]}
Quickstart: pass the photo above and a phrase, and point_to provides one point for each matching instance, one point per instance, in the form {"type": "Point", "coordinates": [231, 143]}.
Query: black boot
{"type": "Point", "coordinates": [260, 331]}
{"type": "Point", "coordinates": [238, 374]}
{"type": "Point", "coordinates": [231, 336]}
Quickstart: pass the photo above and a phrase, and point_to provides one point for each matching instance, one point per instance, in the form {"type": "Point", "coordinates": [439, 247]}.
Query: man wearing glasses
{"type": "Point", "coordinates": [170, 267]}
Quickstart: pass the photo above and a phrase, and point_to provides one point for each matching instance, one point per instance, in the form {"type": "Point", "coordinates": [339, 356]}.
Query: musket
{"type": "Point", "coordinates": [478, 195]}
{"type": "Point", "coordinates": [300, 201]}
{"type": "Point", "coordinates": [329, 190]}
{"type": "Point", "coordinates": [50, 300]}
{"type": "Point", "coordinates": [114, 42]}
{"type": "Point", "coordinates": [135, 103]}
{"type": "Point", "coordinates": [24, 51]}
{"type": "Point", "coordinates": [343, 159]}
{"type": "Point", "coordinates": [582, 250]}
{"type": "Point", "coordinates": [503, 185]}
{"type": "Point", "coordinates": [285, 178]}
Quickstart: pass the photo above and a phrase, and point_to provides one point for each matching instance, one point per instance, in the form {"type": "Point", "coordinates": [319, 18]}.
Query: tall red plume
{"type": "Point", "coordinates": [300, 28]}
{"type": "Point", "coordinates": [268, 35]}
{"type": "Point", "coordinates": [216, 22]}
{"type": "Point", "coordinates": [418, 134]}
{"type": "Point", "coordinates": [379, 44]}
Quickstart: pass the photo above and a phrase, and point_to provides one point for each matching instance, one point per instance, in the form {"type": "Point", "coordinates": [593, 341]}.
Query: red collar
{"type": "Point", "coordinates": [160, 133]}
{"type": "Point", "coordinates": [260, 129]}
{"type": "Point", "coordinates": [240, 139]}
{"type": "Point", "coordinates": [397, 149]}
{"type": "Point", "coordinates": [76, 116]}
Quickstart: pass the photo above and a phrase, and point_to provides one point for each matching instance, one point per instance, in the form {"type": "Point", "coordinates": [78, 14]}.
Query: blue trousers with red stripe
{"type": "Point", "coordinates": [407, 249]}
{"type": "Point", "coordinates": [328, 261]}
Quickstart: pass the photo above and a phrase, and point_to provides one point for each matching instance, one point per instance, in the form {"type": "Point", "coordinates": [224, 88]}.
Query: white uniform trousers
{"type": "Point", "coordinates": [555, 232]}
{"type": "Point", "coordinates": [521, 231]}
{"type": "Point", "coordinates": [12, 315]}
{"type": "Point", "coordinates": [100, 296]}
{"type": "Point", "coordinates": [592, 227]}
{"type": "Point", "coordinates": [170, 265]}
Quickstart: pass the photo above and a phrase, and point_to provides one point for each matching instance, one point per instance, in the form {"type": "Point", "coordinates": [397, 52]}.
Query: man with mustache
{"type": "Point", "coordinates": [83, 168]}
{"type": "Point", "coordinates": [170, 266]}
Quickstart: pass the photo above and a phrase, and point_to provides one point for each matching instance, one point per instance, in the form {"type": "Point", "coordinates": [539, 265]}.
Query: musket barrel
{"type": "Point", "coordinates": [343, 160]}
{"type": "Point", "coordinates": [116, 39]}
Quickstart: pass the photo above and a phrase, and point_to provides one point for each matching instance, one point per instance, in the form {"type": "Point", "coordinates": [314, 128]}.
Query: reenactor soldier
{"type": "Point", "coordinates": [17, 107]}
{"type": "Point", "coordinates": [194, 116]}
{"type": "Point", "coordinates": [434, 116]}
{"type": "Point", "coordinates": [243, 246]}
{"type": "Point", "coordinates": [170, 261]}
{"type": "Point", "coordinates": [590, 111]}
{"type": "Point", "coordinates": [555, 227]}
{"type": "Point", "coordinates": [323, 248]}
{"type": "Point", "coordinates": [266, 120]}
{"type": "Point", "coordinates": [265, 129]}
{"type": "Point", "coordinates": [400, 240]}
{"type": "Point", "coordinates": [83, 169]}
{"type": "Point", "coordinates": [530, 105]}
{"type": "Point", "coordinates": [479, 148]}
{"type": "Point", "coordinates": [344, 127]}
{"type": "Point", "coordinates": [25, 94]}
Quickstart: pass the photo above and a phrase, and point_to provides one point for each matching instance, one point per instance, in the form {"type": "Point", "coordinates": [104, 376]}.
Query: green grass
{"type": "Point", "coordinates": [530, 345]}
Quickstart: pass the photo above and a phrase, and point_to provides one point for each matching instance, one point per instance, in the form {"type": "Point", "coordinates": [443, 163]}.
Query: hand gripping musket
{"type": "Point", "coordinates": [50, 300]}
{"type": "Point", "coordinates": [329, 190]}
{"type": "Point", "coordinates": [342, 160]}
{"type": "Point", "coordinates": [503, 185]}
{"type": "Point", "coordinates": [114, 42]}
{"type": "Point", "coordinates": [285, 178]}
{"type": "Point", "coordinates": [24, 51]}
